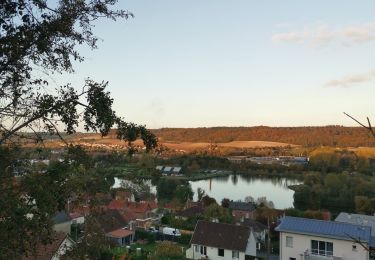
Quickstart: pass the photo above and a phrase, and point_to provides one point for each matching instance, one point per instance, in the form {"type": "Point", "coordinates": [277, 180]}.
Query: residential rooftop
{"type": "Point", "coordinates": [323, 228]}
{"type": "Point", "coordinates": [357, 219]}
{"type": "Point", "coordinates": [220, 235]}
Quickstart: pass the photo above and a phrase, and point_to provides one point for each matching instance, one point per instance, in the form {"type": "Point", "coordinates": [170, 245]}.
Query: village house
{"type": "Point", "coordinates": [115, 228]}
{"type": "Point", "coordinates": [193, 211]}
{"type": "Point", "coordinates": [312, 239]}
{"type": "Point", "coordinates": [60, 243]}
{"type": "Point", "coordinates": [359, 219]}
{"type": "Point", "coordinates": [169, 170]}
{"type": "Point", "coordinates": [62, 222]}
{"type": "Point", "coordinates": [77, 218]}
{"type": "Point", "coordinates": [124, 196]}
{"type": "Point", "coordinates": [258, 229]}
{"type": "Point", "coordinates": [242, 209]}
{"type": "Point", "coordinates": [213, 240]}
{"type": "Point", "coordinates": [141, 214]}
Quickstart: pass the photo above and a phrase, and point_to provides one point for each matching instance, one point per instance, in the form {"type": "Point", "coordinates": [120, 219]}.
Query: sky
{"type": "Point", "coordinates": [237, 63]}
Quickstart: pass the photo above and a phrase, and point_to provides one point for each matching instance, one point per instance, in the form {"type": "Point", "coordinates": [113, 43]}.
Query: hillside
{"type": "Point", "coordinates": [304, 136]}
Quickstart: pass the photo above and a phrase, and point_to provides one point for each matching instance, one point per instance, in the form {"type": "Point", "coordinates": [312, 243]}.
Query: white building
{"type": "Point", "coordinates": [221, 241]}
{"type": "Point", "coordinates": [311, 239]}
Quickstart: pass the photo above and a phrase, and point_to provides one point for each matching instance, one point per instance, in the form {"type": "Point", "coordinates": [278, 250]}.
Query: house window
{"type": "Point", "coordinates": [354, 247]}
{"type": "Point", "coordinates": [235, 254]}
{"type": "Point", "coordinates": [196, 248]}
{"type": "Point", "coordinates": [289, 241]}
{"type": "Point", "coordinates": [203, 250]}
{"type": "Point", "coordinates": [292, 258]}
{"type": "Point", "coordinates": [321, 248]}
{"type": "Point", "coordinates": [220, 252]}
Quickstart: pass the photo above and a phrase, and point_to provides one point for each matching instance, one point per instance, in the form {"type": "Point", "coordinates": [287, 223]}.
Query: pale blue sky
{"type": "Point", "coordinates": [237, 63]}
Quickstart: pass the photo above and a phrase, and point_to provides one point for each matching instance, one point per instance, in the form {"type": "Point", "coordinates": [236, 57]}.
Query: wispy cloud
{"type": "Point", "coordinates": [351, 80]}
{"type": "Point", "coordinates": [322, 35]}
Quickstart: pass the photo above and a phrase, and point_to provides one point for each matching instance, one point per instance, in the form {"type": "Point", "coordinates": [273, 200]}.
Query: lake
{"type": "Point", "coordinates": [237, 187]}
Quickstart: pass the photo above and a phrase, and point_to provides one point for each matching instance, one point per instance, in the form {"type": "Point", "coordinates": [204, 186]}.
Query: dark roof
{"type": "Point", "coordinates": [110, 220]}
{"type": "Point", "coordinates": [61, 217]}
{"type": "Point", "coordinates": [46, 252]}
{"type": "Point", "coordinates": [239, 205]}
{"type": "Point", "coordinates": [219, 235]}
{"type": "Point", "coordinates": [254, 225]}
{"type": "Point", "coordinates": [191, 212]}
{"type": "Point", "coordinates": [323, 228]}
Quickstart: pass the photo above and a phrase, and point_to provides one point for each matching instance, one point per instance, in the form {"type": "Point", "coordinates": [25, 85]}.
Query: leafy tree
{"type": "Point", "coordinates": [92, 244]}
{"type": "Point", "coordinates": [263, 202]}
{"type": "Point", "coordinates": [215, 211]}
{"type": "Point", "coordinates": [200, 193]}
{"type": "Point", "coordinates": [249, 199]}
{"type": "Point", "coordinates": [207, 201]}
{"type": "Point", "coordinates": [43, 36]}
{"type": "Point", "coordinates": [39, 37]}
{"type": "Point", "coordinates": [225, 203]}
{"type": "Point", "coordinates": [183, 193]}
{"type": "Point", "coordinates": [166, 189]}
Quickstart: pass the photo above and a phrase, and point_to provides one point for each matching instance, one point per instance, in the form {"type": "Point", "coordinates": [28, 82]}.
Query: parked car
{"type": "Point", "coordinates": [171, 232]}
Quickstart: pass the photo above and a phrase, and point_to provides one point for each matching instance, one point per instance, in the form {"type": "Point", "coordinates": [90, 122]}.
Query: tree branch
{"type": "Point", "coordinates": [369, 127]}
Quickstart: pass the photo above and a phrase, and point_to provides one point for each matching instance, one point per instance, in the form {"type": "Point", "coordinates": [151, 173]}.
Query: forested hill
{"type": "Point", "coordinates": [305, 136]}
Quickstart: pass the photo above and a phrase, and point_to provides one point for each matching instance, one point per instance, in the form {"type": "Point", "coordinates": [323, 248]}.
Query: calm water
{"type": "Point", "coordinates": [236, 187]}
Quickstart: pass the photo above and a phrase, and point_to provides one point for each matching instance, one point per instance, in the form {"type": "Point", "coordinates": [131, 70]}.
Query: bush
{"type": "Point", "coordinates": [143, 234]}
{"type": "Point", "coordinates": [185, 239]}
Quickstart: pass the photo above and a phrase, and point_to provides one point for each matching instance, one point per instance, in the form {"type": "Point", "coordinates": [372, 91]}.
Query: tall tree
{"type": "Point", "coordinates": [42, 36]}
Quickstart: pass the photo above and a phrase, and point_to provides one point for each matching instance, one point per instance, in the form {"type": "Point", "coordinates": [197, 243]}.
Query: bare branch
{"type": "Point", "coordinates": [369, 127]}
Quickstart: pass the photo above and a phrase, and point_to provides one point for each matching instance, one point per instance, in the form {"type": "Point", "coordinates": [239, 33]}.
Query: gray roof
{"type": "Point", "coordinates": [323, 228]}
{"type": "Point", "coordinates": [220, 235]}
{"type": "Point", "coordinates": [167, 169]}
{"type": "Point", "coordinates": [238, 205]}
{"type": "Point", "coordinates": [358, 219]}
{"type": "Point", "coordinates": [61, 217]}
{"type": "Point", "coordinates": [176, 169]}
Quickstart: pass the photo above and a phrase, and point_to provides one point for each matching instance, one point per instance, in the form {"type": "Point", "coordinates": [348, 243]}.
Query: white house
{"type": "Point", "coordinates": [61, 222]}
{"type": "Point", "coordinates": [221, 241]}
{"type": "Point", "coordinates": [311, 239]}
{"type": "Point", "coordinates": [59, 244]}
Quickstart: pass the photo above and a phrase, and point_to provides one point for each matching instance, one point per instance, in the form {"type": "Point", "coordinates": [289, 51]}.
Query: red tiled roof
{"type": "Point", "coordinates": [129, 215]}
{"type": "Point", "coordinates": [119, 233]}
{"type": "Point", "coordinates": [141, 207]}
{"type": "Point", "coordinates": [116, 204]}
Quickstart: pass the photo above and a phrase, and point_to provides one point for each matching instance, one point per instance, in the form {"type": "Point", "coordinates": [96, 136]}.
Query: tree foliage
{"type": "Point", "coordinates": [40, 38]}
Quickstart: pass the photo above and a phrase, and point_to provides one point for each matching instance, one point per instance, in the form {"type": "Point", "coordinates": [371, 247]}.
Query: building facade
{"type": "Point", "coordinates": [311, 239]}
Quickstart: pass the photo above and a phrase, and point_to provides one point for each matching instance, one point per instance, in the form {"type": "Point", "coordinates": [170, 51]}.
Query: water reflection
{"type": "Point", "coordinates": [119, 182]}
{"type": "Point", "coordinates": [234, 179]}
{"type": "Point", "coordinates": [237, 187]}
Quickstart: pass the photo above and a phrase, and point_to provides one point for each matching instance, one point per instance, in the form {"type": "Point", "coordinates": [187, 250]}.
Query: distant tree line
{"type": "Point", "coordinates": [305, 136]}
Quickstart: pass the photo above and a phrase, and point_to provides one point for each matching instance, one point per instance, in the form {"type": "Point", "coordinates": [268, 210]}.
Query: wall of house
{"type": "Point", "coordinates": [251, 248]}
{"type": "Point", "coordinates": [301, 243]}
{"type": "Point", "coordinates": [62, 227]}
{"type": "Point", "coordinates": [65, 245]}
{"type": "Point", "coordinates": [79, 220]}
{"type": "Point", "coordinates": [212, 253]}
